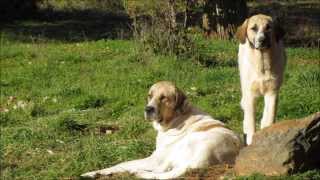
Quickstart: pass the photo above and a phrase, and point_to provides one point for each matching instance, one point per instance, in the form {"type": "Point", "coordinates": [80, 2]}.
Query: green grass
{"type": "Point", "coordinates": [73, 89]}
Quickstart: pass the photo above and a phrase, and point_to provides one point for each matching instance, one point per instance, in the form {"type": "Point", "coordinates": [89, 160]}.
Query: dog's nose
{"type": "Point", "coordinates": [261, 38]}
{"type": "Point", "coordinates": [149, 109]}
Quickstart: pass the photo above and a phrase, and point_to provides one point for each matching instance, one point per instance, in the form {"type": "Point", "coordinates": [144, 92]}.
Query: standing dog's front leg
{"type": "Point", "coordinates": [248, 105]}
{"type": "Point", "coordinates": [270, 107]}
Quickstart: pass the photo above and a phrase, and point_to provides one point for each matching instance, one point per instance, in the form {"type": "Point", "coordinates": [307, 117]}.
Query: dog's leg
{"type": "Point", "coordinates": [174, 173]}
{"type": "Point", "coordinates": [248, 105]}
{"type": "Point", "coordinates": [270, 108]}
{"type": "Point", "coordinates": [147, 164]}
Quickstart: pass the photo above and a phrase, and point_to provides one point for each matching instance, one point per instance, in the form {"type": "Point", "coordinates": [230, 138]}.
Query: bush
{"type": "Point", "coordinates": [159, 40]}
{"type": "Point", "coordinates": [160, 33]}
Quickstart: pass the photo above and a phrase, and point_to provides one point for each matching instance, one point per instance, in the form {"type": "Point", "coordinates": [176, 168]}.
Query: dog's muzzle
{"type": "Point", "coordinates": [262, 41]}
{"type": "Point", "coordinates": [149, 109]}
{"type": "Point", "coordinates": [150, 113]}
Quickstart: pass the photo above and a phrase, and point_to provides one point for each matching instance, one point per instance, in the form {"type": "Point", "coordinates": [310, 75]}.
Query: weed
{"type": "Point", "coordinates": [72, 125]}
{"type": "Point", "coordinates": [310, 78]}
{"type": "Point", "coordinates": [38, 111]}
{"type": "Point", "coordinates": [92, 102]}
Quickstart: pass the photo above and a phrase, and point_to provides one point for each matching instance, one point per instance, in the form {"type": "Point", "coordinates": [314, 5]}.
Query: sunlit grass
{"type": "Point", "coordinates": [58, 94]}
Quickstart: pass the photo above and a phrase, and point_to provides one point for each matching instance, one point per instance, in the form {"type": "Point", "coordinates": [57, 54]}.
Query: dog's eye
{"type": "Point", "coordinates": [149, 96]}
{"type": "Point", "coordinates": [254, 28]}
{"type": "Point", "coordinates": [268, 27]}
{"type": "Point", "coordinates": [162, 98]}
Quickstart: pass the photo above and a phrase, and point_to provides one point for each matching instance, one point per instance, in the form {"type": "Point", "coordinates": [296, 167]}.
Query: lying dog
{"type": "Point", "coordinates": [262, 61]}
{"type": "Point", "coordinates": [187, 138]}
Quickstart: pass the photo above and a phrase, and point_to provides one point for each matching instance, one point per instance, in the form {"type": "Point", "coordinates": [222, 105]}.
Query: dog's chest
{"type": "Point", "coordinates": [257, 71]}
{"type": "Point", "coordinates": [169, 142]}
{"type": "Point", "coordinates": [172, 149]}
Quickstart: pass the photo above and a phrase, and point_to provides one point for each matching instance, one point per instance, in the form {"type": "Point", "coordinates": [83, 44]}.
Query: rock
{"type": "Point", "coordinates": [284, 148]}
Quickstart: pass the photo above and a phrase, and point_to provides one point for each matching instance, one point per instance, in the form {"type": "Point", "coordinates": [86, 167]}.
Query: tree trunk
{"type": "Point", "coordinates": [172, 15]}
{"type": "Point", "coordinates": [221, 17]}
{"type": "Point", "coordinates": [188, 12]}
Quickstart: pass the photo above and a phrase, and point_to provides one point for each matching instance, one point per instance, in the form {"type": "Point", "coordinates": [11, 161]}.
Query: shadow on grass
{"type": "Point", "coordinates": [69, 26]}
{"type": "Point", "coordinates": [301, 20]}
{"type": "Point", "coordinates": [212, 61]}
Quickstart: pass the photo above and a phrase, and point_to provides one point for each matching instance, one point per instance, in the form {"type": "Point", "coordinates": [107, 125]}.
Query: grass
{"type": "Point", "coordinates": [60, 96]}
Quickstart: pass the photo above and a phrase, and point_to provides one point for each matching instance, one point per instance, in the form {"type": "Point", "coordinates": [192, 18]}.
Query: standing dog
{"type": "Point", "coordinates": [187, 138]}
{"type": "Point", "coordinates": [262, 61]}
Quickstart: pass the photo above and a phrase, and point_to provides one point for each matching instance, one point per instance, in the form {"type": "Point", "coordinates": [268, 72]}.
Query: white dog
{"type": "Point", "coordinates": [262, 61]}
{"type": "Point", "coordinates": [187, 138]}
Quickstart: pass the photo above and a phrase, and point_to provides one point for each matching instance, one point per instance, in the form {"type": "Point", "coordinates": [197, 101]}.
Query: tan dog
{"type": "Point", "coordinates": [187, 138]}
{"type": "Point", "coordinates": [262, 61]}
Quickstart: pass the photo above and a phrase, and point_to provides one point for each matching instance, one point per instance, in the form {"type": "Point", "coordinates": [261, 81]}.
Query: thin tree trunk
{"type": "Point", "coordinates": [187, 13]}
{"type": "Point", "coordinates": [172, 14]}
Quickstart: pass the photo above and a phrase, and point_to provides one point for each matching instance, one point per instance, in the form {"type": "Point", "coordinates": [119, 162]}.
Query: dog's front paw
{"type": "Point", "coordinates": [97, 174]}
{"type": "Point", "coordinates": [145, 175]}
{"type": "Point", "coordinates": [91, 175]}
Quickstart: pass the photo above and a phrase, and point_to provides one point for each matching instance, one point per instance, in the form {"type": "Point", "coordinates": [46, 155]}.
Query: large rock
{"type": "Point", "coordinates": [284, 148]}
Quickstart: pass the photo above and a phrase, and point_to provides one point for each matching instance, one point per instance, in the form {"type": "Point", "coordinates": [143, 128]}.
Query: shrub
{"type": "Point", "coordinates": [160, 33]}
{"type": "Point", "coordinates": [159, 40]}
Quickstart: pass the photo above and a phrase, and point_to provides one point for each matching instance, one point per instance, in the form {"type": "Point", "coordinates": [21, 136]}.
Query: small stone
{"type": "Point", "coordinates": [45, 98]}
{"type": "Point", "coordinates": [4, 110]}
{"type": "Point", "coordinates": [49, 151]}
{"type": "Point", "coordinates": [21, 104]}
{"type": "Point", "coordinates": [11, 99]}
{"type": "Point", "coordinates": [193, 88]}
{"type": "Point", "coordinates": [60, 141]}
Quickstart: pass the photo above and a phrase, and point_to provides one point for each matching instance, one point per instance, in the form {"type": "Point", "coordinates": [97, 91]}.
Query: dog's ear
{"type": "Point", "coordinates": [279, 32]}
{"type": "Point", "coordinates": [241, 33]}
{"type": "Point", "coordinates": [180, 100]}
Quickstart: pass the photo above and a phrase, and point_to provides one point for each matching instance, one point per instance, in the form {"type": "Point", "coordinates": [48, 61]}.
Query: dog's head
{"type": "Point", "coordinates": [165, 102]}
{"type": "Point", "coordinates": [260, 31]}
